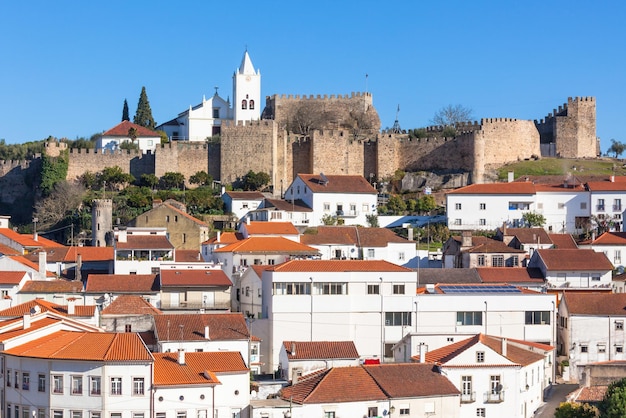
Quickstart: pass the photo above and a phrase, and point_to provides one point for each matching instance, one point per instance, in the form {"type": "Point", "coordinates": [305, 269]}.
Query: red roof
{"type": "Point", "coordinates": [194, 278]}
{"type": "Point", "coordinates": [199, 368]}
{"type": "Point", "coordinates": [619, 185]}
{"type": "Point", "coordinates": [122, 283]}
{"type": "Point", "coordinates": [601, 304]}
{"type": "Point", "coordinates": [85, 311]}
{"type": "Point", "coordinates": [52, 286]}
{"type": "Point", "coordinates": [337, 184]}
{"type": "Point", "coordinates": [270, 228]}
{"type": "Point", "coordinates": [122, 129]}
{"type": "Point", "coordinates": [191, 327]}
{"type": "Point", "coordinates": [27, 240]}
{"type": "Point", "coordinates": [130, 305]}
{"type": "Point", "coordinates": [410, 380]}
{"type": "Point", "coordinates": [11, 277]}
{"type": "Point", "coordinates": [339, 266]}
{"type": "Point", "coordinates": [352, 235]}
{"type": "Point", "coordinates": [497, 188]}
{"type": "Point", "coordinates": [572, 260]}
{"type": "Point", "coordinates": [267, 245]}
{"type": "Point", "coordinates": [308, 350]}
{"type": "Point", "coordinates": [563, 241]}
{"type": "Point", "coordinates": [144, 242]}
{"type": "Point", "coordinates": [611, 238]}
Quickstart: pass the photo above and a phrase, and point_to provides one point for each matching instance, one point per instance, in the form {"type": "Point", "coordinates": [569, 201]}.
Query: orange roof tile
{"type": "Point", "coordinates": [563, 241]}
{"type": "Point", "coordinates": [11, 277]}
{"type": "Point", "coordinates": [144, 242]}
{"type": "Point", "coordinates": [121, 129]}
{"type": "Point", "coordinates": [130, 305]}
{"type": "Point", "coordinates": [271, 228]}
{"type": "Point", "coordinates": [352, 235]}
{"type": "Point", "coordinates": [52, 286]}
{"type": "Point", "coordinates": [529, 235]}
{"type": "Point", "coordinates": [611, 238]}
{"type": "Point", "coordinates": [510, 275]}
{"type": "Point", "coordinates": [194, 278]}
{"type": "Point", "coordinates": [601, 304]}
{"type": "Point", "coordinates": [320, 350]}
{"type": "Point", "coordinates": [408, 380]}
{"type": "Point", "coordinates": [189, 256]}
{"type": "Point", "coordinates": [339, 266]}
{"type": "Point", "coordinates": [497, 188]}
{"type": "Point", "coordinates": [45, 306]}
{"type": "Point", "coordinates": [200, 368]}
{"type": "Point", "coordinates": [70, 254]}
{"type": "Point", "coordinates": [72, 345]}
{"type": "Point", "coordinates": [225, 238]}
{"type": "Point", "coordinates": [481, 245]}
{"type": "Point", "coordinates": [222, 326]}
{"type": "Point", "coordinates": [574, 259]}
{"type": "Point", "coordinates": [27, 240]}
{"type": "Point", "coordinates": [6, 250]}
{"type": "Point", "coordinates": [591, 394]}
{"type": "Point", "coordinates": [122, 283]}
{"type": "Point", "coordinates": [266, 245]}
{"type": "Point", "coordinates": [607, 186]}
{"type": "Point", "coordinates": [338, 184]}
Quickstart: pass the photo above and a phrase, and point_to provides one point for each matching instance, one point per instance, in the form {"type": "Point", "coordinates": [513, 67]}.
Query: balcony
{"type": "Point", "coordinates": [347, 213]}
{"type": "Point", "coordinates": [600, 208]}
{"type": "Point", "coordinates": [617, 208]}
{"type": "Point", "coordinates": [195, 306]}
{"type": "Point", "coordinates": [494, 397]}
{"type": "Point", "coordinates": [468, 397]}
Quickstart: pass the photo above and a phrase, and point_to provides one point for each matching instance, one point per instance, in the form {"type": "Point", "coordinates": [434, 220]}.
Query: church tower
{"type": "Point", "coordinates": [246, 91]}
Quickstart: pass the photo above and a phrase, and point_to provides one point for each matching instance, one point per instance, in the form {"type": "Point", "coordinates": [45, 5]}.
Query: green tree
{"type": "Point", "coordinates": [149, 180]}
{"type": "Point", "coordinates": [113, 178]}
{"type": "Point", "coordinates": [329, 219]}
{"type": "Point", "coordinates": [372, 220]}
{"type": "Point", "coordinates": [576, 410]}
{"type": "Point", "coordinates": [426, 204]}
{"type": "Point", "coordinates": [255, 181]}
{"type": "Point", "coordinates": [614, 403]}
{"type": "Point", "coordinates": [617, 148]}
{"type": "Point", "coordinates": [201, 178]}
{"type": "Point", "coordinates": [172, 180]}
{"type": "Point", "coordinates": [396, 205]}
{"type": "Point", "coordinates": [53, 170]}
{"type": "Point", "coordinates": [534, 219]}
{"type": "Point", "coordinates": [125, 112]}
{"type": "Point", "coordinates": [450, 115]}
{"type": "Point", "coordinates": [143, 116]}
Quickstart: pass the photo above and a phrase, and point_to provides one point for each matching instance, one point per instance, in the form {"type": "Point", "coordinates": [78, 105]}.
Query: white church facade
{"type": "Point", "coordinates": [203, 121]}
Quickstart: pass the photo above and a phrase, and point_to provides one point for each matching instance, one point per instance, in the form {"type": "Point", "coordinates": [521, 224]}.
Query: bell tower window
{"type": "Point", "coordinates": [251, 104]}
{"type": "Point", "coordinates": [244, 104]}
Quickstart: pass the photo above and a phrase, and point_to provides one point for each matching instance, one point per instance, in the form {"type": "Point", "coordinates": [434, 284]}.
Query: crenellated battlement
{"type": "Point", "coordinates": [95, 151]}
{"type": "Point", "coordinates": [353, 95]}
{"type": "Point", "coordinates": [248, 123]}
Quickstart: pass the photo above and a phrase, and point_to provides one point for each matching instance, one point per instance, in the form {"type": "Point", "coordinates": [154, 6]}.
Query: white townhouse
{"type": "Point", "coordinates": [565, 206]}
{"type": "Point", "coordinates": [577, 268]}
{"type": "Point", "coordinates": [591, 329]}
{"type": "Point", "coordinates": [141, 250]}
{"type": "Point", "coordinates": [368, 302]}
{"type": "Point", "coordinates": [146, 139]}
{"type": "Point", "coordinates": [488, 206]}
{"type": "Point", "coordinates": [269, 229]}
{"type": "Point", "coordinates": [240, 203]}
{"type": "Point", "coordinates": [250, 291]}
{"type": "Point", "coordinates": [608, 201]}
{"type": "Point", "coordinates": [611, 244]}
{"type": "Point", "coordinates": [496, 378]}
{"type": "Point", "coordinates": [205, 120]}
{"type": "Point", "coordinates": [347, 198]}
{"type": "Point", "coordinates": [279, 210]}
{"type": "Point", "coordinates": [10, 284]}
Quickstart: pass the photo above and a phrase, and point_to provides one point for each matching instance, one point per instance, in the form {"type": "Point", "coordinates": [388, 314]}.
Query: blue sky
{"type": "Point", "coordinates": [66, 67]}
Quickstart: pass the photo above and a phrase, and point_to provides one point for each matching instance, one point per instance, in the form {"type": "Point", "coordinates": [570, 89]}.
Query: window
{"type": "Point", "coordinates": [251, 104]}
{"type": "Point", "coordinates": [481, 260]}
{"type": "Point", "coordinates": [494, 384]}
{"type": "Point", "coordinates": [583, 205]}
{"type": "Point", "coordinates": [244, 104]}
{"type": "Point", "coordinates": [138, 386]}
{"type": "Point", "coordinates": [519, 206]}
{"type": "Point", "coordinates": [618, 257]}
{"type": "Point", "coordinates": [619, 348]}
{"type": "Point", "coordinates": [57, 413]}
{"type": "Point", "coordinates": [480, 357]}
{"type": "Point", "coordinates": [482, 206]}
{"type": "Point", "coordinates": [401, 256]}
{"type": "Point", "coordinates": [482, 222]}
{"type": "Point", "coordinates": [397, 318]}
{"type": "Point", "coordinates": [247, 291]}
{"type": "Point", "coordinates": [95, 385]}
{"type": "Point", "coordinates": [76, 414]}
{"type": "Point", "coordinates": [405, 411]}
{"type": "Point", "coordinates": [25, 381]}
{"type": "Point", "coordinates": [480, 412]}
{"type": "Point", "coordinates": [457, 221]}
{"type": "Point", "coordinates": [595, 277]}
{"type": "Point", "coordinates": [8, 410]}
{"type": "Point", "coordinates": [25, 412]}
{"type": "Point", "coordinates": [8, 377]}
{"type": "Point", "coordinates": [512, 261]}
{"type": "Point", "coordinates": [326, 206]}
{"type": "Point", "coordinates": [617, 205]}
{"type": "Point", "coordinates": [584, 349]}
{"type": "Point", "coordinates": [469, 318]}
{"type": "Point", "coordinates": [116, 386]}
{"type": "Point", "coordinates": [216, 113]}
{"type": "Point", "coordinates": [601, 348]}
{"type": "Point", "coordinates": [466, 389]}
{"type": "Point", "coordinates": [398, 289]}
{"type": "Point", "coordinates": [41, 382]}
{"type": "Point", "coordinates": [457, 206]}
{"type": "Point", "coordinates": [371, 253]}
{"type": "Point", "coordinates": [329, 414]}
{"type": "Point", "coordinates": [77, 385]}
{"type": "Point", "coordinates": [497, 261]}
{"type": "Point", "coordinates": [537, 317]}
{"type": "Point", "coordinates": [17, 379]}
{"type": "Point", "coordinates": [116, 415]}
{"type": "Point", "coordinates": [372, 411]}
{"type": "Point", "coordinates": [292, 288]}
{"type": "Point", "coordinates": [57, 383]}
{"type": "Point", "coordinates": [138, 415]}
{"type": "Point", "coordinates": [128, 328]}
{"type": "Point", "coordinates": [373, 289]}
{"type": "Point", "coordinates": [182, 414]}
{"type": "Point", "coordinates": [619, 325]}
{"type": "Point", "coordinates": [326, 288]}
{"type": "Point", "coordinates": [600, 206]}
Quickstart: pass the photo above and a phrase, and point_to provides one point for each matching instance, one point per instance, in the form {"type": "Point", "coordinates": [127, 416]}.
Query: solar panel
{"type": "Point", "coordinates": [479, 289]}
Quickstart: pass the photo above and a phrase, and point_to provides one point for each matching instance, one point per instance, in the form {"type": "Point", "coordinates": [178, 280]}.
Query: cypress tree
{"type": "Point", "coordinates": [125, 112]}
{"type": "Point", "coordinates": [143, 117]}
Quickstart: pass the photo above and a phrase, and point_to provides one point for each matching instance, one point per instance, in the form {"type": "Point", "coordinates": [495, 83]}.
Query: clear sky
{"type": "Point", "coordinates": [67, 66]}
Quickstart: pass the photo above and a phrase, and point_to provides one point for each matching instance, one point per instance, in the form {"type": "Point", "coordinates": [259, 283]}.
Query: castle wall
{"type": "Point", "coordinates": [130, 161]}
{"type": "Point", "coordinates": [185, 158]}
{"type": "Point", "coordinates": [337, 153]}
{"type": "Point", "coordinates": [18, 180]}
{"type": "Point", "coordinates": [508, 140]}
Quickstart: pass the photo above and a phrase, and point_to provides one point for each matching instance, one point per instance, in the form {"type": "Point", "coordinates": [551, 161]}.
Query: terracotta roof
{"type": "Point", "coordinates": [84, 311]}
{"type": "Point", "coordinates": [601, 304]}
{"type": "Point", "coordinates": [510, 275]}
{"type": "Point", "coordinates": [266, 245]}
{"type": "Point", "coordinates": [97, 346]}
{"type": "Point", "coordinates": [52, 286]}
{"type": "Point", "coordinates": [563, 241]}
{"type": "Point", "coordinates": [514, 354]}
{"type": "Point", "coordinates": [27, 240]}
{"type": "Point", "coordinates": [591, 394]}
{"type": "Point", "coordinates": [337, 184]}
{"type": "Point", "coordinates": [618, 185]}
{"type": "Point", "coordinates": [225, 238]}
{"type": "Point", "coordinates": [482, 245]}
{"type": "Point", "coordinates": [222, 327]}
{"type": "Point", "coordinates": [611, 238]}
{"type": "Point", "coordinates": [6, 250]}
{"type": "Point", "coordinates": [189, 256]}
{"type": "Point", "coordinates": [260, 268]}
{"type": "Point", "coordinates": [122, 283]}
{"type": "Point", "coordinates": [574, 259]}
{"type": "Point", "coordinates": [11, 277]}
{"type": "Point", "coordinates": [338, 266]}
{"type": "Point", "coordinates": [194, 278]}
{"type": "Point", "coordinates": [200, 368]}
{"type": "Point", "coordinates": [297, 205]}
{"type": "Point", "coordinates": [130, 305]}
{"type": "Point", "coordinates": [339, 384]}
{"type": "Point", "coordinates": [144, 242]}
{"type": "Point", "coordinates": [270, 228]}
{"type": "Point", "coordinates": [555, 188]}
{"type": "Point", "coordinates": [26, 262]}
{"type": "Point", "coordinates": [447, 276]}
{"type": "Point", "coordinates": [245, 195]}
{"type": "Point", "coordinates": [497, 188]}
{"type": "Point", "coordinates": [310, 350]}
{"type": "Point", "coordinates": [352, 235]}
{"type": "Point", "coordinates": [529, 235]}
{"type": "Point", "coordinates": [408, 380]}
{"type": "Point", "coordinates": [122, 129]}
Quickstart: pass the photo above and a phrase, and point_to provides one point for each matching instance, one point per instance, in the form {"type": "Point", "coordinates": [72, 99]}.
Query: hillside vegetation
{"type": "Point", "coordinates": [563, 166]}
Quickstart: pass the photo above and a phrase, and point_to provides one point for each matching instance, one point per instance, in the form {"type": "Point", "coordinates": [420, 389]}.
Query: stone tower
{"type": "Point", "coordinates": [246, 91]}
{"type": "Point", "coordinates": [101, 221]}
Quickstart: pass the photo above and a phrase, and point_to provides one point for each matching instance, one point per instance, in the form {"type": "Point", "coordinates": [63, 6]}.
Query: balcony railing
{"type": "Point", "coordinates": [617, 208]}
{"type": "Point", "coordinates": [600, 208]}
{"type": "Point", "coordinates": [468, 397]}
{"type": "Point", "coordinates": [195, 306]}
{"type": "Point", "coordinates": [491, 397]}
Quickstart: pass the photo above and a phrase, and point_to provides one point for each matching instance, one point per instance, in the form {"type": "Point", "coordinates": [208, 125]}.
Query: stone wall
{"type": "Point", "coordinates": [185, 158]}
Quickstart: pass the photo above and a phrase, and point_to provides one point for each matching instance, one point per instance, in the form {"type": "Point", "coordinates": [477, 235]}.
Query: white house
{"type": "Point", "coordinates": [344, 197]}
{"type": "Point", "coordinates": [607, 198]}
{"type": "Point", "coordinates": [581, 268]}
{"type": "Point", "coordinates": [146, 139]}
{"type": "Point", "coordinates": [591, 329]}
{"type": "Point", "coordinates": [279, 210]}
{"type": "Point", "coordinates": [10, 284]}
{"type": "Point", "coordinates": [141, 250]}
{"type": "Point", "coordinates": [564, 206]}
{"type": "Point", "coordinates": [205, 119]}
{"type": "Point", "coordinates": [240, 203]}
{"type": "Point", "coordinates": [612, 244]}
{"type": "Point", "coordinates": [368, 302]}
{"type": "Point", "coordinates": [250, 291]}
{"type": "Point", "coordinates": [269, 229]}
{"type": "Point", "coordinates": [299, 358]}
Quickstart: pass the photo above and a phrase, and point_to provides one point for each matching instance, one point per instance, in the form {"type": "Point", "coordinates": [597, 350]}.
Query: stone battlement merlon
{"type": "Point", "coordinates": [352, 95]}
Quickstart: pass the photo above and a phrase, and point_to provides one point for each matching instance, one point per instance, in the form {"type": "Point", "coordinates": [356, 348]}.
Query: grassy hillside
{"type": "Point", "coordinates": [562, 166]}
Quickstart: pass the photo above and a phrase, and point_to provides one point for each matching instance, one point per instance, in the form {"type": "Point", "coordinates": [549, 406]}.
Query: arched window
{"type": "Point", "coordinates": [251, 104]}
{"type": "Point", "coordinates": [244, 104]}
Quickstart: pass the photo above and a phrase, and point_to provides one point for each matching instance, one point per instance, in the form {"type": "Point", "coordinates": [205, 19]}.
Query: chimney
{"type": "Point", "coordinates": [293, 348]}
{"type": "Point", "coordinates": [206, 333]}
{"type": "Point", "coordinates": [410, 233]}
{"type": "Point", "coordinates": [504, 346]}
{"type": "Point", "coordinates": [223, 189]}
{"type": "Point", "coordinates": [612, 179]}
{"type": "Point", "coordinates": [423, 350]}
{"type": "Point", "coordinates": [71, 306]}
{"type": "Point", "coordinates": [121, 235]}
{"type": "Point", "coordinates": [43, 260]}
{"type": "Point", "coordinates": [248, 220]}
{"type": "Point", "coordinates": [219, 235]}
{"type": "Point", "coordinates": [466, 239]}
{"type": "Point", "coordinates": [26, 322]}
{"type": "Point", "coordinates": [181, 356]}
{"type": "Point", "coordinates": [511, 177]}
{"type": "Point", "coordinates": [79, 266]}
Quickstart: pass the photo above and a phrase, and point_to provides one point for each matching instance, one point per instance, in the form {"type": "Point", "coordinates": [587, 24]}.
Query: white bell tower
{"type": "Point", "coordinates": [246, 91]}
